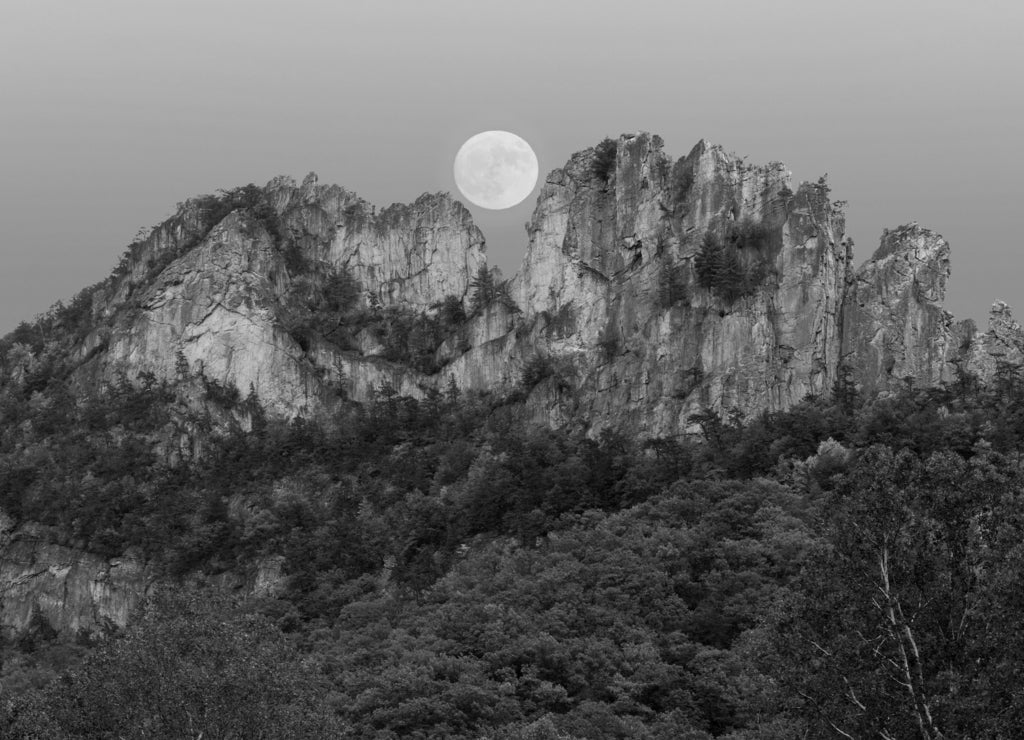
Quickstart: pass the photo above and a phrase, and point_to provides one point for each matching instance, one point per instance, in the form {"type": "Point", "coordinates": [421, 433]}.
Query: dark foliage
{"type": "Point", "coordinates": [322, 303]}
{"type": "Point", "coordinates": [226, 395]}
{"type": "Point", "coordinates": [536, 370]}
{"type": "Point", "coordinates": [451, 313]}
{"type": "Point", "coordinates": [672, 286]}
{"type": "Point", "coordinates": [190, 666]}
{"type": "Point", "coordinates": [681, 183]}
{"type": "Point", "coordinates": [603, 166]}
{"type": "Point", "coordinates": [733, 265]}
{"type": "Point", "coordinates": [488, 289]}
{"type": "Point", "coordinates": [453, 572]}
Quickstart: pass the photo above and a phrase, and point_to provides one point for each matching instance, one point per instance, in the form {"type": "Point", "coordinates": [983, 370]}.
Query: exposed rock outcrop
{"type": "Point", "coordinates": [219, 304]}
{"type": "Point", "coordinates": [651, 289]}
{"type": "Point", "coordinates": [1002, 343]}
{"type": "Point", "coordinates": [72, 590]}
{"type": "Point", "coordinates": [894, 326]}
{"type": "Point", "coordinates": [651, 345]}
{"type": "Point", "coordinates": [78, 592]}
{"type": "Point", "coordinates": [610, 294]}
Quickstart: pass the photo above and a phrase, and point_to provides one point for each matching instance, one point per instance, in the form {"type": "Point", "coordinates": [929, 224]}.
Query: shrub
{"type": "Point", "coordinates": [450, 312]}
{"type": "Point", "coordinates": [604, 160]}
{"type": "Point", "coordinates": [709, 261]}
{"type": "Point", "coordinates": [535, 371]}
{"type": "Point", "coordinates": [541, 367]}
{"type": "Point", "coordinates": [682, 181]}
{"type": "Point", "coordinates": [489, 289]}
{"type": "Point", "coordinates": [408, 337]}
{"type": "Point", "coordinates": [318, 305]}
{"type": "Point", "coordinates": [748, 234]}
{"type": "Point", "coordinates": [721, 268]}
{"type": "Point", "coordinates": [355, 215]}
{"type": "Point", "coordinates": [226, 395]}
{"type": "Point", "coordinates": [561, 324]}
{"type": "Point", "coordinates": [671, 286]}
{"type": "Point", "coordinates": [192, 660]}
{"type": "Point", "coordinates": [339, 292]}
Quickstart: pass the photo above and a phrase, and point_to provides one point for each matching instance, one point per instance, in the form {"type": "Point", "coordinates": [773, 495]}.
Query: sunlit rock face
{"type": "Point", "coordinates": [609, 283]}
{"type": "Point", "coordinates": [1003, 342]}
{"type": "Point", "coordinates": [406, 254]}
{"type": "Point", "coordinates": [612, 302]}
{"type": "Point", "coordinates": [218, 306]}
{"type": "Point", "coordinates": [75, 592]}
{"type": "Point", "coordinates": [72, 590]}
{"type": "Point", "coordinates": [609, 297]}
{"type": "Point", "coordinates": [894, 327]}
{"type": "Point", "coordinates": [214, 307]}
{"type": "Point", "coordinates": [412, 255]}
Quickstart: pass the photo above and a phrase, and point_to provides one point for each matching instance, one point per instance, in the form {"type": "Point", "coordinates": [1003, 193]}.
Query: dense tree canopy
{"type": "Point", "coordinates": [848, 568]}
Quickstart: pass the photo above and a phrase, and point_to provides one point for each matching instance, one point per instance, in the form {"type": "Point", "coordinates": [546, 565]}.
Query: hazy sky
{"type": "Point", "coordinates": [113, 111]}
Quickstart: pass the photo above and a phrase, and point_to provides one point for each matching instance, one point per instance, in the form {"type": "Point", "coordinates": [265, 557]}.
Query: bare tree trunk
{"type": "Point", "coordinates": [909, 655]}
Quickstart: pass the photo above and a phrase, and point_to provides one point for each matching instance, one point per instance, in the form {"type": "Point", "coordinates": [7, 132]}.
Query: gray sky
{"type": "Point", "coordinates": [112, 111]}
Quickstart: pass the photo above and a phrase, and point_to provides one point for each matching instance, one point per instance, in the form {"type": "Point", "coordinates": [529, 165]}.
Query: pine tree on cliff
{"type": "Point", "coordinates": [709, 261]}
{"type": "Point", "coordinates": [732, 281]}
{"type": "Point", "coordinates": [488, 288]}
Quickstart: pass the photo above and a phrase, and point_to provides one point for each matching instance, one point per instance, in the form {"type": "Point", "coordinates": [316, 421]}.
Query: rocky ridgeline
{"type": "Point", "coordinates": [651, 289]}
{"type": "Point", "coordinates": [609, 303]}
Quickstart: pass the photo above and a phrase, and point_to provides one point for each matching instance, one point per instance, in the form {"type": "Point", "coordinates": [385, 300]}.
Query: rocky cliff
{"type": "Point", "coordinates": [650, 290]}
{"type": "Point", "coordinates": [74, 591]}
{"type": "Point", "coordinates": [894, 326]}
{"type": "Point", "coordinates": [612, 274]}
{"type": "Point", "coordinates": [70, 589]}
{"type": "Point", "coordinates": [611, 301]}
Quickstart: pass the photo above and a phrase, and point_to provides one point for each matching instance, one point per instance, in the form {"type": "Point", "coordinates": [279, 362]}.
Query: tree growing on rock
{"type": "Point", "coordinates": [488, 288]}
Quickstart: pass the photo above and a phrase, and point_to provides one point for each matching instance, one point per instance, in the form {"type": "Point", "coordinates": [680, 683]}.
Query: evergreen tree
{"type": "Point", "coordinates": [731, 280]}
{"type": "Point", "coordinates": [709, 261]}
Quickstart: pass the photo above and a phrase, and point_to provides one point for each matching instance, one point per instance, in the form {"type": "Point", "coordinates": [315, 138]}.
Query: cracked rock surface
{"type": "Point", "coordinates": [894, 326]}
{"type": "Point", "coordinates": [591, 296]}
{"type": "Point", "coordinates": [608, 292]}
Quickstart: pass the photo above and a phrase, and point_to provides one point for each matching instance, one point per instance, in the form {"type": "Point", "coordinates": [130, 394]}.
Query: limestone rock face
{"type": "Point", "coordinates": [219, 305]}
{"type": "Point", "coordinates": [1002, 343]}
{"type": "Point", "coordinates": [76, 591]}
{"type": "Point", "coordinates": [894, 326]}
{"type": "Point", "coordinates": [215, 307]}
{"type": "Point", "coordinates": [608, 294]}
{"type": "Point", "coordinates": [609, 284]}
{"type": "Point", "coordinates": [651, 289]}
{"type": "Point", "coordinates": [412, 255]}
{"type": "Point", "coordinates": [71, 589]}
{"type": "Point", "coordinates": [610, 297]}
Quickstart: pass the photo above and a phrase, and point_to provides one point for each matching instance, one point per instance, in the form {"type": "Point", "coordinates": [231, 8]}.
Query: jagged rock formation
{"type": "Point", "coordinates": [72, 590]}
{"type": "Point", "coordinates": [609, 296]}
{"type": "Point", "coordinates": [651, 289]}
{"type": "Point", "coordinates": [894, 326]}
{"type": "Point", "coordinates": [1002, 343]}
{"type": "Point", "coordinates": [69, 588]}
{"type": "Point", "coordinates": [219, 304]}
{"type": "Point", "coordinates": [648, 344]}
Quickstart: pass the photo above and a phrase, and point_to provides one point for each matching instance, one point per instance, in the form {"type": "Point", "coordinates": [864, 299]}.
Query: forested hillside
{"type": "Point", "coordinates": [302, 469]}
{"type": "Point", "coordinates": [851, 567]}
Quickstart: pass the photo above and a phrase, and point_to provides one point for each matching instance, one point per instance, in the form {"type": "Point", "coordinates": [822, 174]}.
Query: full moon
{"type": "Point", "coordinates": [495, 169]}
